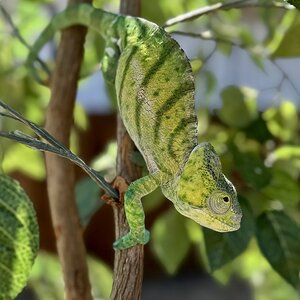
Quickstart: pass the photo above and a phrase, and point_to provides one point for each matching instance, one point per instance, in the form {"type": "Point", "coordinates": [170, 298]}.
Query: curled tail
{"type": "Point", "coordinates": [83, 14]}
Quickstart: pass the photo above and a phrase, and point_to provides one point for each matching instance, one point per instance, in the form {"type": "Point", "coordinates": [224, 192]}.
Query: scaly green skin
{"type": "Point", "coordinates": [19, 237]}
{"type": "Point", "coordinates": [155, 91]}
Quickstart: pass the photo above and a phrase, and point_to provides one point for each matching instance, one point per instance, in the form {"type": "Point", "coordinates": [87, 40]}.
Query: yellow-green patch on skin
{"type": "Point", "coordinates": [204, 194]}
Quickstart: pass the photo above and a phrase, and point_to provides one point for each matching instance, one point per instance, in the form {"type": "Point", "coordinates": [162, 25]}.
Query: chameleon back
{"type": "Point", "coordinates": [155, 92]}
{"type": "Point", "coordinates": [153, 80]}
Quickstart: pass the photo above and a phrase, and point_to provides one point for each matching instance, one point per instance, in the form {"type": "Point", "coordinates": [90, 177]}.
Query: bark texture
{"type": "Point", "coordinates": [60, 172]}
{"type": "Point", "coordinates": [128, 265]}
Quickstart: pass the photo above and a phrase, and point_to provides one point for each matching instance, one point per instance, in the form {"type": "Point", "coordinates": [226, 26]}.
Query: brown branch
{"type": "Point", "coordinates": [60, 172]}
{"type": "Point", "coordinates": [128, 265]}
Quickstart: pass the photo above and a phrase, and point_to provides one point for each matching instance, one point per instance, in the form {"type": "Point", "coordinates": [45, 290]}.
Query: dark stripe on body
{"type": "Point", "coordinates": [152, 71]}
{"type": "Point", "coordinates": [180, 127]}
{"type": "Point", "coordinates": [126, 68]}
{"type": "Point", "coordinates": [176, 96]}
{"type": "Point", "coordinates": [142, 30]}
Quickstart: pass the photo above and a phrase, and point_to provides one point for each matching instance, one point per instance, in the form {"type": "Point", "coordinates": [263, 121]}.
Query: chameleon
{"type": "Point", "coordinates": [154, 86]}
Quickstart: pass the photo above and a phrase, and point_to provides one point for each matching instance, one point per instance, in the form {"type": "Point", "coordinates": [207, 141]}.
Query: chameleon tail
{"type": "Point", "coordinates": [83, 14]}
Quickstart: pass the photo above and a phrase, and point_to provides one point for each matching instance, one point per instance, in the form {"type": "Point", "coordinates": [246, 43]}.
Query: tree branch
{"type": "Point", "coordinates": [194, 14]}
{"type": "Point", "coordinates": [60, 173]}
{"type": "Point", "coordinates": [52, 145]}
{"type": "Point", "coordinates": [128, 264]}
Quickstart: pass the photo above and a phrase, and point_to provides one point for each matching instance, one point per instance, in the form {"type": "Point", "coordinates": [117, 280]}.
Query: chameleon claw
{"type": "Point", "coordinates": [129, 240]}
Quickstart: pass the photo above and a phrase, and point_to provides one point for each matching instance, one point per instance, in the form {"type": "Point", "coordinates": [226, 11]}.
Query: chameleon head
{"type": "Point", "coordinates": [204, 194]}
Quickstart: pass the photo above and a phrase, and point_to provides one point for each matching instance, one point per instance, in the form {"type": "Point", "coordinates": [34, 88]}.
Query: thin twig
{"type": "Point", "coordinates": [208, 37]}
{"type": "Point", "coordinates": [194, 14]}
{"type": "Point", "coordinates": [52, 145]}
{"type": "Point", "coordinates": [18, 35]}
{"type": "Point", "coordinates": [205, 36]}
{"type": "Point", "coordinates": [285, 76]}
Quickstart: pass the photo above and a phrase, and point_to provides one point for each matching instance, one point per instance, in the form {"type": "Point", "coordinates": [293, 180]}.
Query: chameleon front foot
{"type": "Point", "coordinates": [129, 240]}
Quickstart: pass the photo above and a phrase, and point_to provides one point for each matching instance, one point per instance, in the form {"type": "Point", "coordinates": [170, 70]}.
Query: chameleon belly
{"type": "Point", "coordinates": [155, 92]}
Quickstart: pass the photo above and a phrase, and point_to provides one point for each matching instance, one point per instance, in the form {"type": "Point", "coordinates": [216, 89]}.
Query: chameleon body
{"type": "Point", "coordinates": [155, 92]}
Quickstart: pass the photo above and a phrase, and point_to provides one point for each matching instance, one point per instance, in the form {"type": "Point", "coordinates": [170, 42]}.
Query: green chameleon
{"type": "Point", "coordinates": [155, 92]}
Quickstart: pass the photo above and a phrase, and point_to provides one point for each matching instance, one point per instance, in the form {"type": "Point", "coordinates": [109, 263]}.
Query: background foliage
{"type": "Point", "coordinates": [259, 144]}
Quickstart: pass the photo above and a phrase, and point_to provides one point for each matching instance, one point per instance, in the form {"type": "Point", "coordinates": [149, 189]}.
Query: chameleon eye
{"type": "Point", "coordinates": [219, 203]}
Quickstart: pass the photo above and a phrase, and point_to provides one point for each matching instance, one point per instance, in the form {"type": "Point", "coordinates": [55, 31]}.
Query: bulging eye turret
{"type": "Point", "coordinates": [219, 202]}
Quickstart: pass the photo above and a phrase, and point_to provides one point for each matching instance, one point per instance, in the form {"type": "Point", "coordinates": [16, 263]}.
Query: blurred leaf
{"type": "Point", "coordinates": [258, 59]}
{"type": "Point", "coordinates": [87, 199]}
{"type": "Point", "coordinates": [203, 120]}
{"type": "Point", "coordinates": [101, 278]}
{"type": "Point", "coordinates": [196, 65]}
{"type": "Point", "coordinates": [287, 152]}
{"type": "Point", "coordinates": [254, 269]}
{"type": "Point", "coordinates": [49, 285]}
{"type": "Point", "coordinates": [80, 117]}
{"type": "Point", "coordinates": [239, 106]}
{"type": "Point", "coordinates": [225, 48]}
{"type": "Point", "coordinates": [286, 157]}
{"type": "Point", "coordinates": [107, 159]}
{"type": "Point", "coordinates": [32, 166]}
{"type": "Point", "coordinates": [170, 241]}
{"type": "Point", "coordinates": [290, 43]}
{"type": "Point", "coordinates": [222, 248]}
{"type": "Point", "coordinates": [258, 130]}
{"type": "Point", "coordinates": [283, 187]}
{"type": "Point", "coordinates": [251, 167]}
{"type": "Point", "coordinates": [211, 82]}
{"type": "Point", "coordinates": [279, 240]}
{"type": "Point", "coordinates": [19, 237]}
{"type": "Point", "coordinates": [153, 200]}
{"type": "Point", "coordinates": [295, 3]}
{"type": "Point", "coordinates": [282, 122]}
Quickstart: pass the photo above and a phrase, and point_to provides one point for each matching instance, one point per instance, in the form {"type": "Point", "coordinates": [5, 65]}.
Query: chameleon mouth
{"type": "Point", "coordinates": [203, 217]}
{"type": "Point", "coordinates": [219, 225]}
{"type": "Point", "coordinates": [222, 226]}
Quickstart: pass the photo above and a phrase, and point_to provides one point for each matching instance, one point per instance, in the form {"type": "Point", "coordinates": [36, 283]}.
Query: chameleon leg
{"type": "Point", "coordinates": [135, 213]}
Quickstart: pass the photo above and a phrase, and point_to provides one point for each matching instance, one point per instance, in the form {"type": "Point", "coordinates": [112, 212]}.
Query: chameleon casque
{"type": "Point", "coordinates": [155, 92]}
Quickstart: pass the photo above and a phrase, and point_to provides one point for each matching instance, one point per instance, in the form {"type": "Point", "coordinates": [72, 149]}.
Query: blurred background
{"type": "Point", "coordinates": [247, 69]}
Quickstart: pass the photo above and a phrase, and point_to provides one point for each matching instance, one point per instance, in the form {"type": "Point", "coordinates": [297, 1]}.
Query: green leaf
{"type": "Point", "coordinates": [221, 248]}
{"type": "Point", "coordinates": [239, 106]}
{"type": "Point", "coordinates": [295, 3]}
{"type": "Point", "coordinates": [290, 43]}
{"type": "Point", "coordinates": [19, 237]}
{"type": "Point", "coordinates": [258, 59]}
{"type": "Point", "coordinates": [225, 48]}
{"type": "Point", "coordinates": [287, 157]}
{"type": "Point", "coordinates": [287, 152]}
{"type": "Point", "coordinates": [170, 241]}
{"type": "Point", "coordinates": [282, 121]}
{"type": "Point", "coordinates": [258, 130]}
{"type": "Point", "coordinates": [251, 167]}
{"type": "Point", "coordinates": [196, 65]}
{"type": "Point", "coordinates": [283, 187]}
{"type": "Point", "coordinates": [33, 165]}
{"type": "Point", "coordinates": [279, 240]}
{"type": "Point", "coordinates": [48, 285]}
{"type": "Point", "coordinates": [87, 199]}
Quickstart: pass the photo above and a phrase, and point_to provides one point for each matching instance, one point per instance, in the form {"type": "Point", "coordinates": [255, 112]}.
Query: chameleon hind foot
{"type": "Point", "coordinates": [129, 240]}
